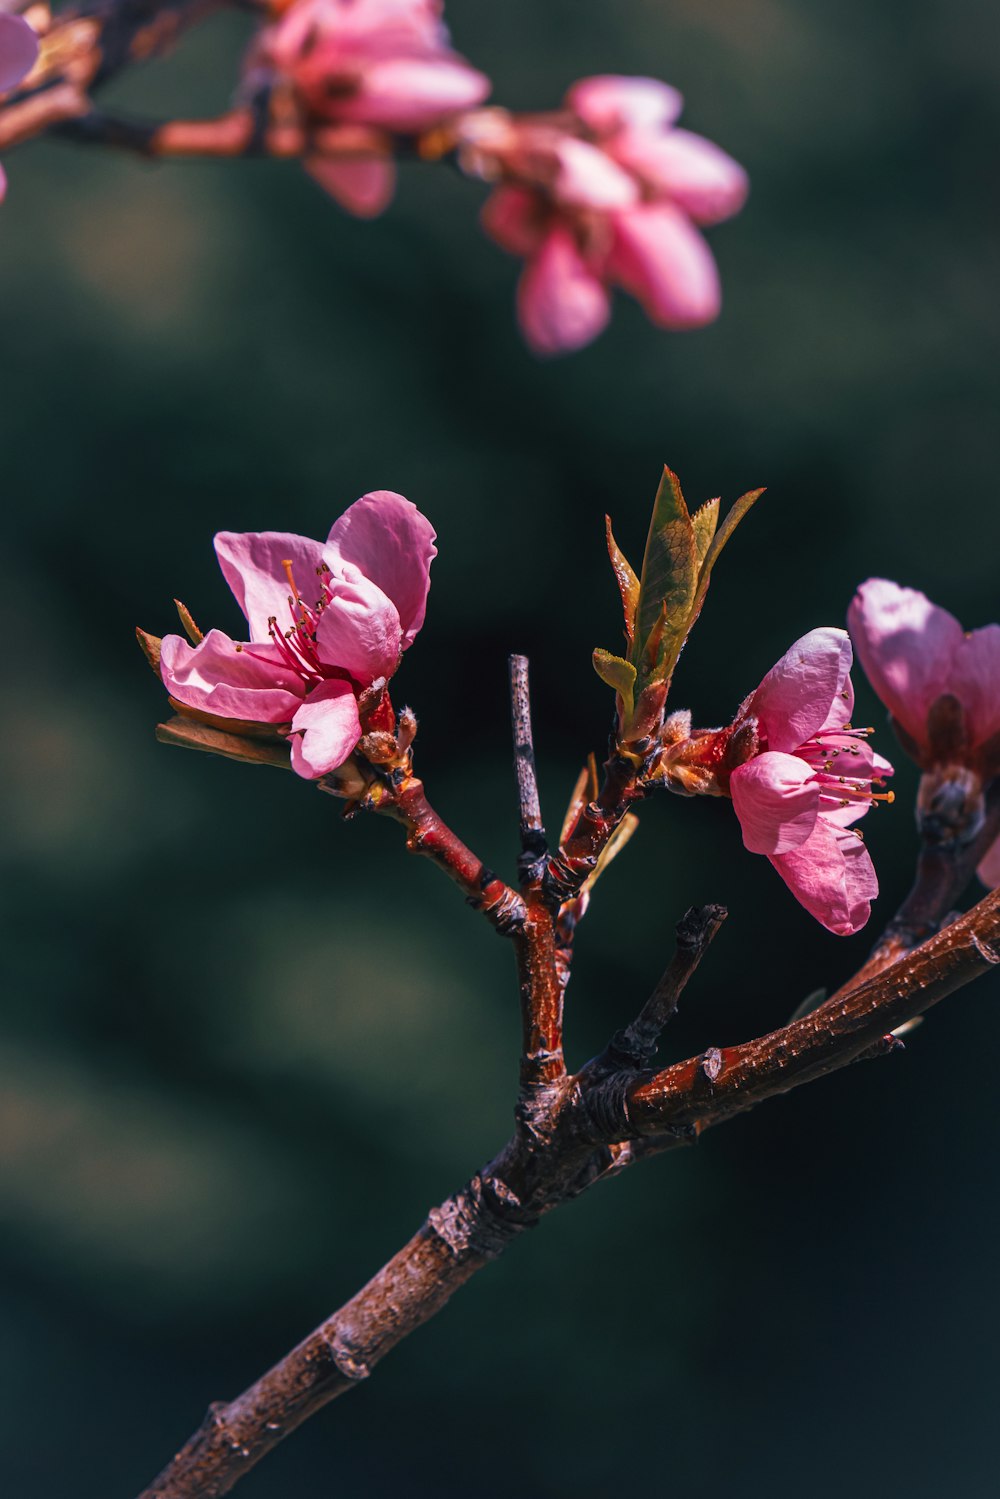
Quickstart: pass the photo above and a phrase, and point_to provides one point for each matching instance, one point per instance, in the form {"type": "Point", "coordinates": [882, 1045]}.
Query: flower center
{"type": "Point", "coordinates": [844, 768]}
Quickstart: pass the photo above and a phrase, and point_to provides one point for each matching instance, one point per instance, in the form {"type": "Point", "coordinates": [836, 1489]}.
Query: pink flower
{"type": "Point", "coordinates": [326, 620]}
{"type": "Point", "coordinates": [804, 776]}
{"type": "Point", "coordinates": [382, 64]}
{"type": "Point", "coordinates": [18, 52]}
{"type": "Point", "coordinates": [608, 194]}
{"type": "Point", "coordinates": [941, 685]}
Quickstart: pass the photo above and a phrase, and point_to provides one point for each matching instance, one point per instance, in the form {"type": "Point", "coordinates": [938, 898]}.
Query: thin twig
{"type": "Point", "coordinates": [534, 845]}
{"type": "Point", "coordinates": [636, 1044]}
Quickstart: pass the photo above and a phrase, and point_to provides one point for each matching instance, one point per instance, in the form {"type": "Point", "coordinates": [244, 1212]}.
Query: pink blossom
{"type": "Point", "coordinates": [805, 776]}
{"type": "Point", "coordinates": [614, 179]}
{"type": "Point", "coordinates": [382, 64]}
{"type": "Point", "coordinates": [18, 52]}
{"type": "Point", "coordinates": [941, 685]}
{"type": "Point", "coordinates": [326, 621]}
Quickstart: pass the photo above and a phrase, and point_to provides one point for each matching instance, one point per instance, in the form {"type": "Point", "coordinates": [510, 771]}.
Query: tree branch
{"type": "Point", "coordinates": [596, 1124]}
{"type": "Point", "coordinates": [534, 845]}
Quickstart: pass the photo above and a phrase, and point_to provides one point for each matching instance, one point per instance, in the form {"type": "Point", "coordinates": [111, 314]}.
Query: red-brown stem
{"type": "Point", "coordinates": [577, 857]}
{"type": "Point", "coordinates": [542, 1061]}
{"type": "Point", "coordinates": [531, 1176]}
{"type": "Point", "coordinates": [428, 835]}
{"type": "Point", "coordinates": [707, 1089]}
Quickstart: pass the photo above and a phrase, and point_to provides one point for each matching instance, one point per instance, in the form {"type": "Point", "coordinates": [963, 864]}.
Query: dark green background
{"type": "Point", "coordinates": [244, 1047]}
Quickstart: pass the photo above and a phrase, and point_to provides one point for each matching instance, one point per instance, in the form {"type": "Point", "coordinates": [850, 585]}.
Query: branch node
{"type": "Point", "coordinates": [712, 1064]}
{"type": "Point", "coordinates": [481, 1219]}
{"type": "Point", "coordinates": [351, 1367]}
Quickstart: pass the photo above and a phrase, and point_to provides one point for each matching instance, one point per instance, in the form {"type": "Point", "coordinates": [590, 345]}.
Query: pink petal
{"type": "Point", "coordinates": [797, 697]}
{"type": "Point", "coordinates": [692, 172]}
{"type": "Point", "coordinates": [907, 646]}
{"type": "Point", "coordinates": [515, 218]}
{"type": "Point", "coordinates": [359, 628]}
{"type": "Point", "coordinates": [18, 50]}
{"type": "Point", "coordinates": [586, 177]}
{"type": "Point", "coordinates": [411, 93]}
{"type": "Point", "coordinates": [364, 187]}
{"type": "Point", "coordinates": [392, 544]}
{"type": "Point", "coordinates": [660, 258]}
{"type": "Point", "coordinates": [325, 729]}
{"type": "Point", "coordinates": [3, 184]}
{"type": "Point", "coordinates": [975, 681]}
{"type": "Point", "coordinates": [989, 868]}
{"type": "Point", "coordinates": [252, 565]}
{"type": "Point", "coordinates": [776, 799]}
{"type": "Point", "coordinates": [610, 102]}
{"type": "Point", "coordinates": [561, 304]}
{"type": "Point", "coordinates": [219, 677]}
{"type": "Point", "coordinates": [832, 875]}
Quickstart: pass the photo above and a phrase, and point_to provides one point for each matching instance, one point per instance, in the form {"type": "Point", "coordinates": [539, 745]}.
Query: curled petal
{"type": "Point", "coordinates": [907, 646]}
{"type": "Point", "coordinates": [776, 799]}
{"type": "Point", "coordinates": [18, 50]}
{"type": "Point", "coordinates": [975, 681]}
{"type": "Point", "coordinates": [832, 875]}
{"type": "Point", "coordinates": [609, 103]}
{"type": "Point", "coordinates": [515, 218]}
{"type": "Point", "coordinates": [989, 868]}
{"type": "Point", "coordinates": [691, 171]}
{"type": "Point", "coordinates": [659, 256]}
{"type": "Point", "coordinates": [391, 543]}
{"type": "Point", "coordinates": [253, 564]}
{"type": "Point", "coordinates": [586, 177]}
{"type": "Point", "coordinates": [561, 303]}
{"type": "Point", "coordinates": [231, 681]}
{"type": "Point", "coordinates": [798, 696]}
{"type": "Point", "coordinates": [411, 93]}
{"type": "Point", "coordinates": [364, 187]}
{"type": "Point", "coordinates": [359, 629]}
{"type": "Point", "coordinates": [325, 730]}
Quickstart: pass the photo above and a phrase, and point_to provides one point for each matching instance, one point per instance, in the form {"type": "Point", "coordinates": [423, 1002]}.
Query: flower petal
{"type": "Point", "coordinates": [989, 867]}
{"type": "Point", "coordinates": [907, 646]}
{"type": "Point", "coordinates": [776, 799]}
{"type": "Point", "coordinates": [359, 629]}
{"type": "Point", "coordinates": [515, 218]}
{"type": "Point", "coordinates": [392, 544]}
{"type": "Point", "coordinates": [364, 187]}
{"type": "Point", "coordinates": [325, 729]}
{"type": "Point", "coordinates": [832, 875]}
{"type": "Point", "coordinates": [694, 173]}
{"type": "Point", "coordinates": [611, 102]}
{"type": "Point", "coordinates": [659, 256]}
{"type": "Point", "coordinates": [411, 93]}
{"type": "Point", "coordinates": [586, 177]}
{"type": "Point", "coordinates": [218, 676]}
{"type": "Point", "coordinates": [975, 681]}
{"type": "Point", "coordinates": [561, 304]}
{"type": "Point", "coordinates": [18, 50]}
{"type": "Point", "coordinates": [252, 564]}
{"type": "Point", "coordinates": [797, 697]}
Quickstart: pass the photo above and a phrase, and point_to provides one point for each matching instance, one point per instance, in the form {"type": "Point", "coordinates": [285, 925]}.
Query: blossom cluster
{"type": "Point", "coordinates": [604, 192]}
{"type": "Point", "coordinates": [328, 623]}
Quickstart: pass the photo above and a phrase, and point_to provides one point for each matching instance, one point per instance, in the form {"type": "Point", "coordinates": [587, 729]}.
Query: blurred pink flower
{"type": "Point", "coordinates": [382, 64]}
{"type": "Point", "coordinates": [326, 621]}
{"type": "Point", "coordinates": [805, 776]}
{"type": "Point", "coordinates": [941, 685]}
{"type": "Point", "coordinates": [608, 193]}
{"type": "Point", "coordinates": [18, 51]}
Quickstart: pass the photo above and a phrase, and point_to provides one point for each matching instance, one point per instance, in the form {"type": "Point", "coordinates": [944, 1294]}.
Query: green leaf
{"type": "Point", "coordinates": [736, 513]}
{"type": "Point", "coordinates": [704, 521]}
{"type": "Point", "coordinates": [618, 674]}
{"type": "Point", "coordinates": [628, 583]}
{"type": "Point", "coordinates": [669, 580]}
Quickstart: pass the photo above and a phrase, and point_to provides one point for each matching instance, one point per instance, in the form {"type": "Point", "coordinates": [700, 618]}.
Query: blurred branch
{"type": "Point", "coordinates": [586, 1128]}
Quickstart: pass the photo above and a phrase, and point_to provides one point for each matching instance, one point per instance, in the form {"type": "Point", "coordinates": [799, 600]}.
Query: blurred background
{"type": "Point", "coordinates": [208, 981]}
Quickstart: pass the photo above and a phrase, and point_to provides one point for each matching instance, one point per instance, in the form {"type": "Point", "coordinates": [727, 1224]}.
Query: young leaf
{"type": "Point", "coordinates": [191, 630]}
{"type": "Point", "coordinates": [669, 580]}
{"type": "Point", "coordinates": [150, 647]}
{"type": "Point", "coordinates": [705, 520]}
{"type": "Point", "coordinates": [618, 674]}
{"type": "Point", "coordinates": [628, 583]}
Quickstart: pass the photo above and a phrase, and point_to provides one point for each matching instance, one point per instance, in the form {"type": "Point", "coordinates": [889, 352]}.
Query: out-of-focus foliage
{"type": "Point", "coordinates": [244, 1047]}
